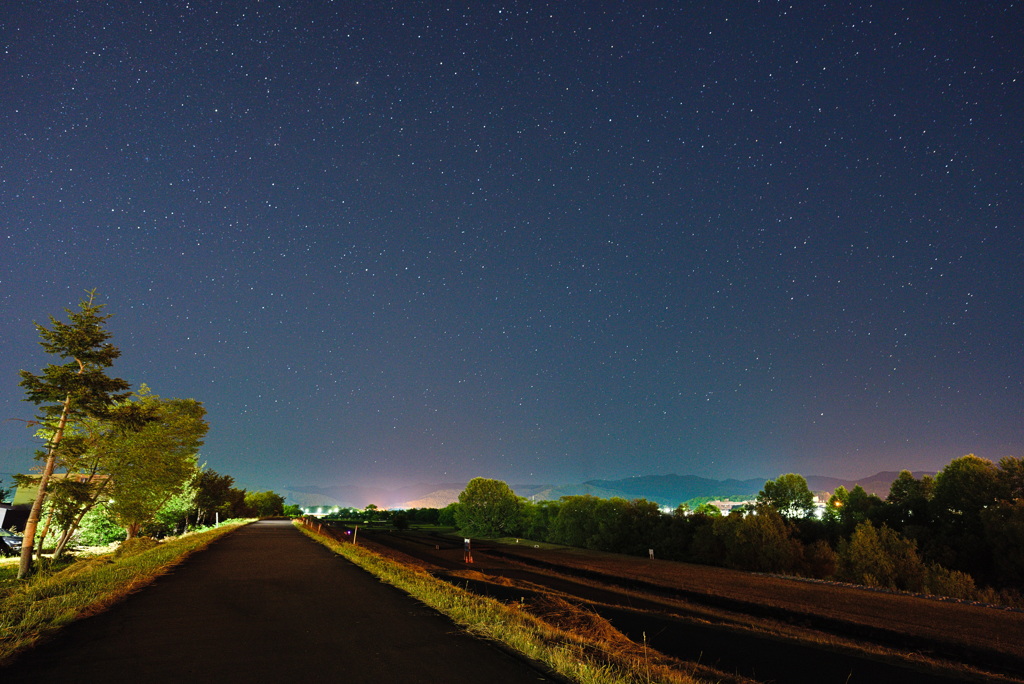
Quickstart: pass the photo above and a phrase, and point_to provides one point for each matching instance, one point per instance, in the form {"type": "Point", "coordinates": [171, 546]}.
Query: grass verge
{"type": "Point", "coordinates": [571, 655]}
{"type": "Point", "coordinates": [34, 609]}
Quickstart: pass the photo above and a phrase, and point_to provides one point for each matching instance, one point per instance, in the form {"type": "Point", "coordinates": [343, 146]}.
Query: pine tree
{"type": "Point", "coordinates": [79, 387]}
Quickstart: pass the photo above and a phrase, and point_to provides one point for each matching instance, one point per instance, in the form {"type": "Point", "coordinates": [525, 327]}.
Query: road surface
{"type": "Point", "coordinates": [267, 604]}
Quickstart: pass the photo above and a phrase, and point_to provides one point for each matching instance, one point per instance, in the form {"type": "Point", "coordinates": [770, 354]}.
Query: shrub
{"type": "Point", "coordinates": [819, 560]}
{"type": "Point", "coordinates": [97, 529]}
{"type": "Point", "coordinates": [953, 583]}
{"type": "Point", "coordinates": [400, 521]}
{"type": "Point", "coordinates": [881, 557]}
{"type": "Point", "coordinates": [761, 543]}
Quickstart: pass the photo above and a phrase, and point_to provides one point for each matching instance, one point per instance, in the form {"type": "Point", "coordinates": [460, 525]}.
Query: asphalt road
{"type": "Point", "coordinates": [267, 604]}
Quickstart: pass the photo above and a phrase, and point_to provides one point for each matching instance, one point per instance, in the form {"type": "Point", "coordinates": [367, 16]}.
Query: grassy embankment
{"type": "Point", "coordinates": [33, 609]}
{"type": "Point", "coordinates": [586, 654]}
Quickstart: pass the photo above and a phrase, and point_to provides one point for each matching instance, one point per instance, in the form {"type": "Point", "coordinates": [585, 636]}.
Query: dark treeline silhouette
{"type": "Point", "coordinates": [960, 534]}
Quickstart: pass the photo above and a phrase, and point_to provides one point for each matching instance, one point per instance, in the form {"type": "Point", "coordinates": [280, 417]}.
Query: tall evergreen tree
{"type": "Point", "coordinates": [77, 387]}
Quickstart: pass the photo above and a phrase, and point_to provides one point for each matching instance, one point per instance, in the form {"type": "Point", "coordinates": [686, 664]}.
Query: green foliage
{"type": "Point", "coordinates": [1004, 537]}
{"type": "Point", "coordinates": [835, 505]}
{"type": "Point", "coordinates": [172, 518]}
{"type": "Point", "coordinates": [145, 466]}
{"type": "Point", "coordinates": [447, 516]}
{"type": "Point", "coordinates": [909, 497]}
{"type": "Point", "coordinates": [371, 513]}
{"type": "Point", "coordinates": [235, 506]}
{"type": "Point", "coordinates": [612, 517]}
{"type": "Point", "coordinates": [603, 524]}
{"type": "Point", "coordinates": [426, 516]}
{"type": "Point", "coordinates": [707, 509]}
{"type": "Point", "coordinates": [576, 523]}
{"type": "Point", "coordinates": [156, 462]}
{"type": "Point", "coordinates": [488, 508]}
{"type": "Point", "coordinates": [213, 495]}
{"type": "Point", "coordinates": [764, 542]}
{"type": "Point", "coordinates": [881, 557]}
{"type": "Point", "coordinates": [695, 503]}
{"type": "Point", "coordinates": [708, 535]}
{"type": "Point", "coordinates": [912, 540]}
{"type": "Point", "coordinates": [77, 388]}
{"type": "Point", "coordinates": [847, 509]}
{"type": "Point", "coordinates": [347, 514]}
{"type": "Point", "coordinates": [265, 504]}
{"type": "Point", "coordinates": [67, 497]}
{"type": "Point", "coordinates": [292, 511]}
{"type": "Point", "coordinates": [88, 461]}
{"type": "Point", "coordinates": [1010, 479]}
{"type": "Point", "coordinates": [646, 522]}
{"type": "Point", "coordinates": [962, 490]}
{"type": "Point", "coordinates": [941, 581]}
{"type": "Point", "coordinates": [400, 521]}
{"type": "Point", "coordinates": [789, 495]}
{"type": "Point", "coordinates": [538, 518]}
{"type": "Point", "coordinates": [97, 529]}
{"type": "Point", "coordinates": [80, 380]}
{"type": "Point", "coordinates": [860, 506]}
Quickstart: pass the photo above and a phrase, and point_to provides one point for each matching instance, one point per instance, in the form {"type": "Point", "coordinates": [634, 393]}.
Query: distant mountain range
{"type": "Point", "coordinates": [666, 490]}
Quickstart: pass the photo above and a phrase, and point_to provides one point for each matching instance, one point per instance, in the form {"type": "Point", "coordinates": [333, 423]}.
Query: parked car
{"type": "Point", "coordinates": [11, 541]}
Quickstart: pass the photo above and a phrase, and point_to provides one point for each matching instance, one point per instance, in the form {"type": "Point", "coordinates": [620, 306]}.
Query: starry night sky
{"type": "Point", "coordinates": [388, 243]}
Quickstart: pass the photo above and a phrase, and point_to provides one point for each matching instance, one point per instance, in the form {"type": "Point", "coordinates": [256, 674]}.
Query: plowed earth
{"type": "Point", "coordinates": [721, 623]}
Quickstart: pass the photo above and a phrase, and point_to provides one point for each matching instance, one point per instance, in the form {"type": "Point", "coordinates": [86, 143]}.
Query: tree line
{"type": "Point", "coordinates": [116, 463]}
{"type": "Point", "coordinates": [959, 534]}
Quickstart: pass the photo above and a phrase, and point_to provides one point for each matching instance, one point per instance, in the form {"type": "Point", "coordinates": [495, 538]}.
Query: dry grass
{"type": "Point", "coordinates": [960, 626]}
{"type": "Point", "coordinates": [576, 644]}
{"type": "Point", "coordinates": [957, 631]}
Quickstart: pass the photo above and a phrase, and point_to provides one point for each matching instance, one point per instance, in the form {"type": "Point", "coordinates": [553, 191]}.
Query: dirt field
{"type": "Point", "coordinates": [742, 624]}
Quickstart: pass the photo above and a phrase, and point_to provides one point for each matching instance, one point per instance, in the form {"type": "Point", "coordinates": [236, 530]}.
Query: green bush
{"type": "Point", "coordinates": [953, 583]}
{"type": "Point", "coordinates": [97, 529]}
{"type": "Point", "coordinates": [880, 556]}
